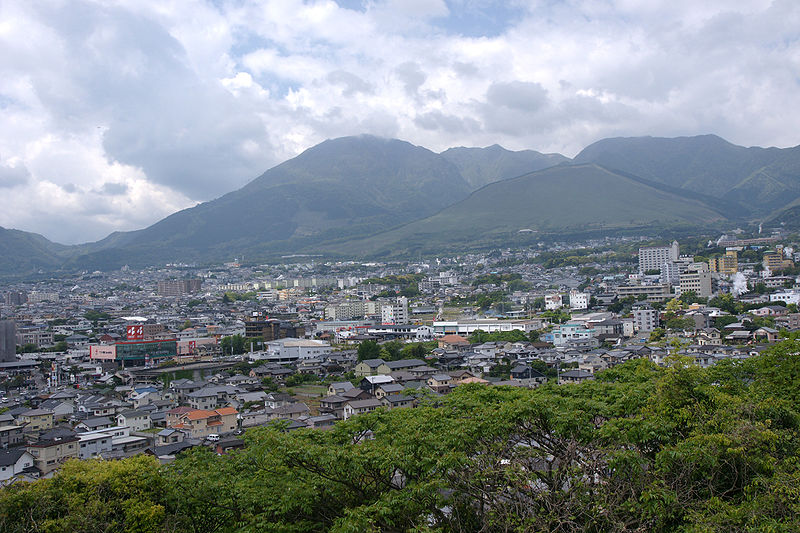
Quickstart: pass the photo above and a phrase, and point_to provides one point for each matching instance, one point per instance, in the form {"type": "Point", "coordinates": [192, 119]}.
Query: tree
{"type": "Point", "coordinates": [368, 350]}
{"type": "Point", "coordinates": [234, 345]}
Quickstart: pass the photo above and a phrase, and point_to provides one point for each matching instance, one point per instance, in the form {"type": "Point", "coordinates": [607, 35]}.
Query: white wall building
{"type": "Point", "coordinates": [653, 258]}
{"type": "Point", "coordinates": [553, 301]}
{"type": "Point", "coordinates": [396, 313]}
{"type": "Point", "coordinates": [287, 350]}
{"type": "Point", "coordinates": [579, 300]}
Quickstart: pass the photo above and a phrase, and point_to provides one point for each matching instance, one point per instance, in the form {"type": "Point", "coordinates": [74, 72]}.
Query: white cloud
{"type": "Point", "coordinates": [113, 115]}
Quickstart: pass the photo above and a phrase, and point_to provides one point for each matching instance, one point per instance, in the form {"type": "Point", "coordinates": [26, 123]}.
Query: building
{"type": "Point", "coordinates": [200, 423]}
{"type": "Point", "coordinates": [774, 260]}
{"type": "Point", "coordinates": [645, 318]}
{"type": "Point", "coordinates": [395, 313]}
{"type": "Point", "coordinates": [15, 298]}
{"type": "Point", "coordinates": [653, 293]}
{"type": "Point", "coordinates": [13, 463]}
{"type": "Point", "coordinates": [11, 436]}
{"type": "Point", "coordinates": [351, 310]}
{"type": "Point", "coordinates": [553, 301]}
{"type": "Point", "coordinates": [578, 300]}
{"type": "Point", "coordinates": [50, 452]}
{"type": "Point", "coordinates": [136, 353]}
{"type": "Point", "coordinates": [671, 271]}
{"type": "Point", "coordinates": [273, 329]}
{"type": "Point", "coordinates": [653, 258]}
{"type": "Point", "coordinates": [179, 287]}
{"type": "Point", "coordinates": [697, 278]}
{"type": "Point", "coordinates": [725, 264]}
{"type": "Point", "coordinates": [8, 341]}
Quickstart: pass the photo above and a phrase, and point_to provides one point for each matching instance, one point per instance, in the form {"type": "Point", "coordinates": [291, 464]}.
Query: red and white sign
{"type": "Point", "coordinates": [192, 346]}
{"type": "Point", "coordinates": [135, 333]}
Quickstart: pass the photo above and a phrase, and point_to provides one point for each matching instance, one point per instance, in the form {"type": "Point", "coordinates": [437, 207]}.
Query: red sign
{"type": "Point", "coordinates": [135, 333]}
{"type": "Point", "coordinates": [192, 345]}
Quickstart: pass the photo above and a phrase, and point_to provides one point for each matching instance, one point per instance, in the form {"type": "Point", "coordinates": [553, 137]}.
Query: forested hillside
{"type": "Point", "coordinates": [641, 448]}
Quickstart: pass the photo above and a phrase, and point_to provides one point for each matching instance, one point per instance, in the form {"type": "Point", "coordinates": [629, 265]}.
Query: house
{"type": "Point", "coordinates": [211, 397]}
{"type": "Point", "coordinates": [357, 407]}
{"type": "Point", "coordinates": [168, 452]}
{"type": "Point", "coordinates": [200, 423]}
{"type": "Point", "coordinates": [339, 387]}
{"type": "Point", "coordinates": [95, 423]}
{"type": "Point", "coordinates": [14, 462]}
{"type": "Point", "coordinates": [11, 435]}
{"type": "Point", "coordinates": [766, 334]}
{"type": "Point", "coordinates": [453, 342]}
{"type": "Point", "coordinates": [370, 383]}
{"type": "Point", "coordinates": [94, 444]}
{"type": "Point", "coordinates": [401, 365]}
{"type": "Point", "coordinates": [321, 422]}
{"type": "Point", "coordinates": [169, 436]}
{"type": "Point", "coordinates": [334, 405]}
{"type": "Point", "coordinates": [36, 420]}
{"type": "Point", "coordinates": [134, 419]}
{"type": "Point", "coordinates": [440, 383]}
{"type": "Point", "coordinates": [52, 449]}
{"type": "Point", "coordinates": [368, 367]}
{"type": "Point", "coordinates": [291, 411]}
{"type": "Point", "coordinates": [708, 337]}
{"type": "Point", "coordinates": [574, 376]}
{"type": "Point", "coordinates": [356, 394]}
{"type": "Point", "coordinates": [173, 415]}
{"type": "Point", "coordinates": [394, 401]}
{"type": "Point", "coordinates": [60, 408]}
{"type": "Point", "coordinates": [388, 389]}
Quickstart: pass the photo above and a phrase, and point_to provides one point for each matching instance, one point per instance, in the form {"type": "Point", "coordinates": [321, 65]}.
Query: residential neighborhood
{"type": "Point", "coordinates": [158, 361]}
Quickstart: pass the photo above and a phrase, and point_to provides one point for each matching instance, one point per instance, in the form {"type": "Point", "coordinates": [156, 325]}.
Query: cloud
{"type": "Point", "coordinates": [13, 175]}
{"type": "Point", "coordinates": [113, 115]}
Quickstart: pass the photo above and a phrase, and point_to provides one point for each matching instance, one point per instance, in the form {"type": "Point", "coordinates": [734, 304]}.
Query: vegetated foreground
{"type": "Point", "coordinates": [641, 448]}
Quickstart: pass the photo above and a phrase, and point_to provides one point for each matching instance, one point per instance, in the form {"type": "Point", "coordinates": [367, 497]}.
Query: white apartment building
{"type": "Point", "coordinates": [579, 300]}
{"type": "Point", "coordinates": [645, 319]}
{"type": "Point", "coordinates": [697, 278]}
{"type": "Point", "coordinates": [396, 313]}
{"type": "Point", "coordinates": [653, 258]}
{"type": "Point", "coordinates": [553, 301]}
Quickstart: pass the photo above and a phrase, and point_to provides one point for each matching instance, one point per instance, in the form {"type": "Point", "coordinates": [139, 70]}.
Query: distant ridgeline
{"type": "Point", "coordinates": [371, 197]}
{"type": "Point", "coordinates": [640, 448]}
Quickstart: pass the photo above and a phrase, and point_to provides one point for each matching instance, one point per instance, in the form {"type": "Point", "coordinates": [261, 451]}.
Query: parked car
{"type": "Point", "coordinates": [213, 437]}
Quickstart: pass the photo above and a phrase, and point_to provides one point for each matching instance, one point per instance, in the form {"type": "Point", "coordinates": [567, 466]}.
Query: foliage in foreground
{"type": "Point", "coordinates": [639, 449]}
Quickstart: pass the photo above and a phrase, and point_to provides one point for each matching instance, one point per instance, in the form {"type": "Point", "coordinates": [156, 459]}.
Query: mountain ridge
{"type": "Point", "coordinates": [349, 190]}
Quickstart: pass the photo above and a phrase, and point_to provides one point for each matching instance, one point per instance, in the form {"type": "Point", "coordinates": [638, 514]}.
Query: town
{"type": "Point", "coordinates": [158, 361]}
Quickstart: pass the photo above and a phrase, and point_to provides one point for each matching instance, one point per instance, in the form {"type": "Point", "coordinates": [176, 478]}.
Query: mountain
{"type": "Point", "coordinates": [367, 195]}
{"type": "Point", "coordinates": [562, 199]}
{"type": "Point", "coordinates": [481, 166]}
{"type": "Point", "coordinates": [22, 252]}
{"type": "Point", "coordinates": [340, 188]}
{"type": "Point", "coordinates": [758, 180]}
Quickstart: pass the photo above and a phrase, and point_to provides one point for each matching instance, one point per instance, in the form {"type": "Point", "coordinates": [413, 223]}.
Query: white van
{"type": "Point", "coordinates": [213, 437]}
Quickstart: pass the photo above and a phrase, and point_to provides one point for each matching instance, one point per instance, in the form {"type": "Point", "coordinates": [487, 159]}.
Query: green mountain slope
{"type": "Point", "coordinates": [343, 187]}
{"type": "Point", "coordinates": [563, 199]}
{"type": "Point", "coordinates": [22, 252]}
{"type": "Point", "coordinates": [481, 166]}
{"type": "Point", "coordinates": [758, 179]}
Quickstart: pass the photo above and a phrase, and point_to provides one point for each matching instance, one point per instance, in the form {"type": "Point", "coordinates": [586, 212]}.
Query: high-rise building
{"type": "Point", "coordinates": [726, 264]}
{"type": "Point", "coordinates": [179, 287]}
{"type": "Point", "coordinates": [15, 298]}
{"type": "Point", "coordinates": [8, 341]}
{"type": "Point", "coordinates": [774, 260]}
{"type": "Point", "coordinates": [396, 313]}
{"type": "Point", "coordinates": [697, 278]}
{"type": "Point", "coordinates": [645, 318]}
{"type": "Point", "coordinates": [653, 258]}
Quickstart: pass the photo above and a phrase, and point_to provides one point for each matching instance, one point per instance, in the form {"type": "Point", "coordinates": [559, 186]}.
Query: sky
{"type": "Point", "coordinates": [114, 114]}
